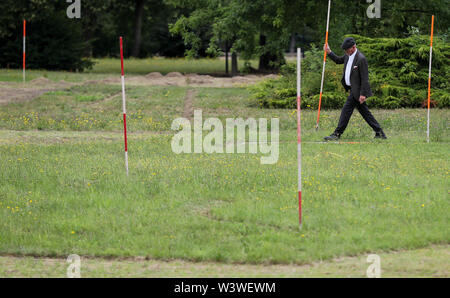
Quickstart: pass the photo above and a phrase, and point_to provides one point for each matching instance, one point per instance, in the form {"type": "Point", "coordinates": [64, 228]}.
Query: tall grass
{"type": "Point", "coordinates": [64, 192]}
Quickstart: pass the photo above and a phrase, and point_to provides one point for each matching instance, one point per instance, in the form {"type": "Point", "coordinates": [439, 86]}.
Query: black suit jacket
{"type": "Point", "coordinates": [359, 76]}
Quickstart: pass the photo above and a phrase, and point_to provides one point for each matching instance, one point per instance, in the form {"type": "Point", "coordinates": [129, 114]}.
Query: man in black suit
{"type": "Point", "coordinates": [356, 80]}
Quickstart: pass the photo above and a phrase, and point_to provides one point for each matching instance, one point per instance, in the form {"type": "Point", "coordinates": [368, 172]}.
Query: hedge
{"type": "Point", "coordinates": [398, 71]}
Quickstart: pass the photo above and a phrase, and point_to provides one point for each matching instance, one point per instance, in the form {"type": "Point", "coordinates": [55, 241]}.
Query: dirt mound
{"type": "Point", "coordinates": [199, 79]}
{"type": "Point", "coordinates": [65, 84]}
{"type": "Point", "coordinates": [240, 80]}
{"type": "Point", "coordinates": [178, 79]}
{"type": "Point", "coordinates": [41, 81]}
{"type": "Point", "coordinates": [111, 80]}
{"type": "Point", "coordinates": [271, 76]}
{"type": "Point", "coordinates": [174, 75]}
{"type": "Point", "coordinates": [154, 75]}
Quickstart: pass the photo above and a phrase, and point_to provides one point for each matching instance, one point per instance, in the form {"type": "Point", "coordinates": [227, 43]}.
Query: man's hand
{"type": "Point", "coordinates": [326, 48]}
{"type": "Point", "coordinates": [362, 99]}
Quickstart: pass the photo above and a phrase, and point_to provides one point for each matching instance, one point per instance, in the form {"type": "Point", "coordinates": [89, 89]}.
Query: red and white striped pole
{"type": "Point", "coordinates": [124, 106]}
{"type": "Point", "coordinates": [323, 68]}
{"type": "Point", "coordinates": [24, 48]}
{"type": "Point", "coordinates": [429, 79]}
{"type": "Point", "coordinates": [299, 134]}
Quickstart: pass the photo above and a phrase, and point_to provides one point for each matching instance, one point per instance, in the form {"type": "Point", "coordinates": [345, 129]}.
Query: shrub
{"type": "Point", "coordinates": [396, 81]}
{"type": "Point", "coordinates": [442, 99]}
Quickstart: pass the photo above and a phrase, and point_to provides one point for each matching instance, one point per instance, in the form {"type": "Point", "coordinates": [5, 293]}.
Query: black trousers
{"type": "Point", "coordinates": [347, 112]}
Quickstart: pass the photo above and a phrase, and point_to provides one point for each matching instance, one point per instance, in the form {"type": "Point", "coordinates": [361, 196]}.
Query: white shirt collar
{"type": "Point", "coordinates": [353, 55]}
{"type": "Point", "coordinates": [349, 68]}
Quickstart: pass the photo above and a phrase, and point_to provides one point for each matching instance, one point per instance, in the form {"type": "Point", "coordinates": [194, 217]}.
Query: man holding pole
{"type": "Point", "coordinates": [356, 80]}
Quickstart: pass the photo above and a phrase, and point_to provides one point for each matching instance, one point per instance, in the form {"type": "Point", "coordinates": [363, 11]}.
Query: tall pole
{"type": "Point", "coordinates": [124, 106]}
{"type": "Point", "coordinates": [429, 80]}
{"type": "Point", "coordinates": [299, 134]}
{"type": "Point", "coordinates": [24, 48]}
{"type": "Point", "coordinates": [324, 63]}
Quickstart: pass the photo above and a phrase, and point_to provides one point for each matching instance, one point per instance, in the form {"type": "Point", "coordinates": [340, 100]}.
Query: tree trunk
{"type": "Point", "coordinates": [293, 43]}
{"type": "Point", "coordinates": [226, 59]}
{"type": "Point", "coordinates": [234, 64]}
{"type": "Point", "coordinates": [138, 14]}
{"type": "Point", "coordinates": [88, 32]}
{"type": "Point", "coordinates": [266, 58]}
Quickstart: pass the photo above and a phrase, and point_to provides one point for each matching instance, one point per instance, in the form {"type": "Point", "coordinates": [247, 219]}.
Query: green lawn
{"type": "Point", "coordinates": [166, 65]}
{"type": "Point", "coordinates": [430, 262]}
{"type": "Point", "coordinates": [63, 189]}
{"type": "Point", "coordinates": [111, 66]}
{"type": "Point", "coordinates": [15, 76]}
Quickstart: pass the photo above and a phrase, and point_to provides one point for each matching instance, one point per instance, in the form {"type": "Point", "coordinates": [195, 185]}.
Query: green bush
{"type": "Point", "coordinates": [404, 62]}
{"type": "Point", "coordinates": [442, 99]}
{"type": "Point", "coordinates": [282, 92]}
{"type": "Point", "coordinates": [398, 70]}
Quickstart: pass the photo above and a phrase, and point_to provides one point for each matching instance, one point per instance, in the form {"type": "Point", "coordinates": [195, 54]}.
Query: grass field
{"type": "Point", "coordinates": [164, 65]}
{"type": "Point", "coordinates": [63, 189]}
{"type": "Point", "coordinates": [107, 66]}
{"type": "Point", "coordinates": [420, 263]}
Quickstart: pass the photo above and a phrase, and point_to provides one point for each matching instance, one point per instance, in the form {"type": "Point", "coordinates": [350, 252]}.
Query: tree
{"type": "Point", "coordinates": [138, 14]}
{"type": "Point", "coordinates": [397, 20]}
{"type": "Point", "coordinates": [53, 41]}
{"type": "Point", "coordinates": [248, 29]}
{"type": "Point", "coordinates": [198, 32]}
{"type": "Point", "coordinates": [145, 26]}
{"type": "Point", "coordinates": [96, 23]}
{"type": "Point", "coordinates": [237, 25]}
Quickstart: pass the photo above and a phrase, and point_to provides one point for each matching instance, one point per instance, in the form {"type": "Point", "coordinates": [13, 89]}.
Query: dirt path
{"type": "Point", "coordinates": [189, 104]}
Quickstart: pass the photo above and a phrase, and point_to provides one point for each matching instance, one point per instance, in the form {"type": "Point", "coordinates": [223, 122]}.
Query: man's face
{"type": "Point", "coordinates": [350, 51]}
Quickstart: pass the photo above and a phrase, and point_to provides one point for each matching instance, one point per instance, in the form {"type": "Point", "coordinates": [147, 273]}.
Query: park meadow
{"type": "Point", "coordinates": [64, 190]}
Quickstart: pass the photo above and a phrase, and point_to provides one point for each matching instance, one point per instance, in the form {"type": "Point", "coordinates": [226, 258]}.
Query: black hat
{"type": "Point", "coordinates": [348, 43]}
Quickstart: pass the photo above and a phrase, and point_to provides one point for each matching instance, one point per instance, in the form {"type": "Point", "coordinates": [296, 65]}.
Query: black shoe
{"type": "Point", "coordinates": [380, 135]}
{"type": "Point", "coordinates": [333, 137]}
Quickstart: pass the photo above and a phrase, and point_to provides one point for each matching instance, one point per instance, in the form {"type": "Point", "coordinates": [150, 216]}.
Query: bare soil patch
{"type": "Point", "coordinates": [8, 95]}
{"type": "Point", "coordinates": [18, 92]}
{"type": "Point", "coordinates": [194, 80]}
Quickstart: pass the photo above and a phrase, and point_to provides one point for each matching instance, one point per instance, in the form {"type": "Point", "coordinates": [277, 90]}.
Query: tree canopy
{"type": "Point", "coordinates": [248, 29]}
